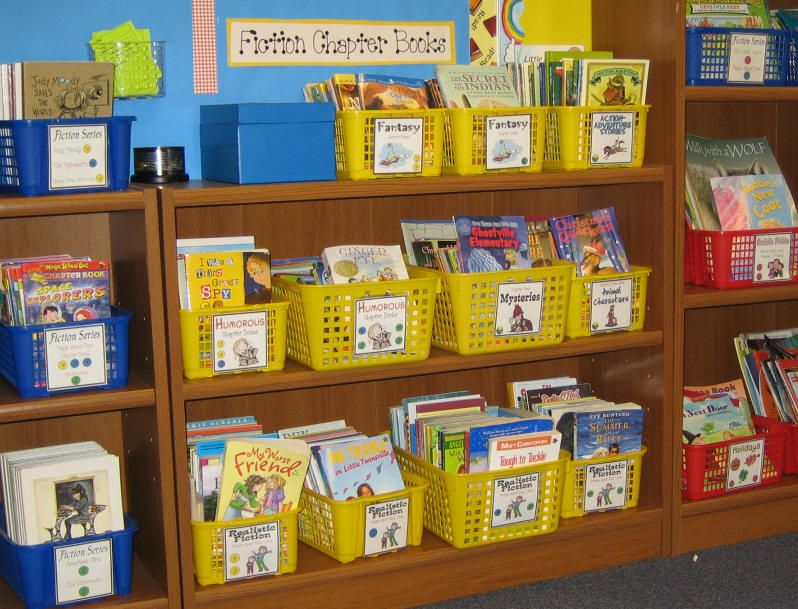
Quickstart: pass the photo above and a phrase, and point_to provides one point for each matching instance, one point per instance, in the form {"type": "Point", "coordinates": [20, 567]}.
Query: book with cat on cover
{"type": "Point", "coordinates": [476, 86]}
{"type": "Point", "coordinates": [363, 263]}
{"type": "Point", "coordinates": [492, 243]}
{"type": "Point", "coordinates": [592, 240]}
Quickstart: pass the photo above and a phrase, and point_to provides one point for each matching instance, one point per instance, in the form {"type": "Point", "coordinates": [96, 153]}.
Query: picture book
{"type": "Point", "coordinates": [516, 390]}
{"type": "Point", "coordinates": [613, 82]}
{"type": "Point", "coordinates": [66, 89]}
{"type": "Point", "coordinates": [228, 279]}
{"type": "Point", "coordinates": [382, 92]}
{"type": "Point", "coordinates": [713, 420]}
{"type": "Point", "coordinates": [363, 263]}
{"type": "Point", "coordinates": [601, 433]}
{"type": "Point", "coordinates": [65, 291]}
{"type": "Point", "coordinates": [476, 86]}
{"type": "Point", "coordinates": [744, 202]}
{"type": "Point", "coordinates": [261, 476]}
{"type": "Point", "coordinates": [477, 437]}
{"type": "Point", "coordinates": [492, 243]}
{"type": "Point", "coordinates": [717, 13]}
{"type": "Point", "coordinates": [592, 240]}
{"type": "Point", "coordinates": [361, 468]}
{"type": "Point", "coordinates": [708, 158]}
{"type": "Point", "coordinates": [523, 450]}
{"type": "Point", "coordinates": [345, 92]}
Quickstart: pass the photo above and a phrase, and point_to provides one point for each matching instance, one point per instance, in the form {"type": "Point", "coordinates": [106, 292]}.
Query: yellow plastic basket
{"type": "Point", "coordinates": [465, 146]}
{"type": "Point", "coordinates": [580, 497]}
{"type": "Point", "coordinates": [321, 321]}
{"type": "Point", "coordinates": [580, 305]}
{"type": "Point", "coordinates": [196, 336]}
{"type": "Point", "coordinates": [465, 312]}
{"type": "Point", "coordinates": [355, 154]}
{"type": "Point", "coordinates": [208, 539]}
{"type": "Point", "coordinates": [338, 528]}
{"type": "Point", "coordinates": [460, 508]}
{"type": "Point", "coordinates": [569, 138]}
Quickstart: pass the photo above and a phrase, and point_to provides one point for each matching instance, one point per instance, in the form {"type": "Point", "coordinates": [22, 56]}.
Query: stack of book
{"type": "Point", "coordinates": [344, 264]}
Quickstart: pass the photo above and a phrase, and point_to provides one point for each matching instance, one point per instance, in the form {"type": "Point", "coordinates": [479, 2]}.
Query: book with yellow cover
{"type": "Point", "coordinates": [228, 279]}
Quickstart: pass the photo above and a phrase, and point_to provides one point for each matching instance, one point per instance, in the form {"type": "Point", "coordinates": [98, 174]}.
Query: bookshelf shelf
{"type": "Point", "coordinates": [696, 297]}
{"type": "Point", "coordinates": [741, 94]}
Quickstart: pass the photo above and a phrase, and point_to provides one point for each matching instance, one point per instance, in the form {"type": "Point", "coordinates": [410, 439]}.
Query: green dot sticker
{"type": "Point", "coordinates": [589, 493]}
{"type": "Point", "coordinates": [84, 591]}
{"type": "Point", "coordinates": [84, 570]}
{"type": "Point", "coordinates": [361, 345]}
{"type": "Point", "coordinates": [399, 327]}
{"type": "Point", "coordinates": [75, 380]}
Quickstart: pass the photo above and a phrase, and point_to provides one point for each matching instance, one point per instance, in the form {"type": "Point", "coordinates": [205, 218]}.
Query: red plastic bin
{"type": "Point", "coordinates": [726, 259]}
{"type": "Point", "coordinates": [705, 468]}
{"type": "Point", "coordinates": [790, 442]}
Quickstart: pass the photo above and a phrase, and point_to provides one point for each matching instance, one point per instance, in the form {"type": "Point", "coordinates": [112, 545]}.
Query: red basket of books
{"type": "Point", "coordinates": [790, 442]}
{"type": "Point", "coordinates": [720, 468]}
{"type": "Point", "coordinates": [744, 258]}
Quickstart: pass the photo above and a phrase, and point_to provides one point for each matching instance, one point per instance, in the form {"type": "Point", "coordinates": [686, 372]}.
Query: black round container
{"type": "Point", "coordinates": [159, 165]}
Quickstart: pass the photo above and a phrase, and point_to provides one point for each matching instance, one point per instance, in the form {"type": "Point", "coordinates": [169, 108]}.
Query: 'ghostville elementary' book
{"type": "Point", "coordinates": [492, 243]}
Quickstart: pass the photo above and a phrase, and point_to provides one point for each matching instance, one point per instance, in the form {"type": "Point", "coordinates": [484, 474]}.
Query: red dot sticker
{"type": "Point", "coordinates": [747, 59]}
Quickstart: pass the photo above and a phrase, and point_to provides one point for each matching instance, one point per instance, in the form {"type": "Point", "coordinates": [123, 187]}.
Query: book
{"type": "Point", "coordinates": [382, 92]}
{"type": "Point", "coordinates": [523, 450]}
{"type": "Point", "coordinates": [536, 397]}
{"type": "Point", "coordinates": [428, 234]}
{"type": "Point", "coordinates": [542, 249]}
{"type": "Point", "coordinates": [592, 240]}
{"type": "Point", "coordinates": [745, 202]}
{"type": "Point", "coordinates": [788, 371]}
{"type": "Point", "coordinates": [228, 278]}
{"type": "Point", "coordinates": [65, 291]}
{"type": "Point", "coordinates": [66, 89]}
{"type": "Point", "coordinates": [478, 436]}
{"type": "Point", "coordinates": [708, 158]}
{"type": "Point", "coordinates": [492, 243]}
{"type": "Point", "coordinates": [788, 18]}
{"type": "Point", "coordinates": [613, 82]}
{"type": "Point", "coordinates": [516, 390]}
{"type": "Point", "coordinates": [344, 92]}
{"type": "Point", "coordinates": [261, 476]}
{"type": "Point", "coordinates": [715, 13]}
{"type": "Point", "coordinates": [596, 433]}
{"type": "Point", "coordinates": [363, 263]}
{"type": "Point", "coordinates": [713, 420]}
{"type": "Point", "coordinates": [361, 468]}
{"type": "Point", "coordinates": [476, 86]}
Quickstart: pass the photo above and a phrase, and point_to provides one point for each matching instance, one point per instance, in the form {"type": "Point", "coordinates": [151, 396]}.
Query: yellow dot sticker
{"type": "Point", "coordinates": [87, 148]}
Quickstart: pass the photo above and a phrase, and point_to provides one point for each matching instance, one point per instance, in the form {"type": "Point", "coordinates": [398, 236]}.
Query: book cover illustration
{"type": "Point", "coordinates": [523, 450]}
{"type": "Point", "coordinates": [592, 240]}
{"type": "Point", "coordinates": [708, 158]}
{"type": "Point", "coordinates": [596, 434]}
{"type": "Point", "coordinates": [360, 468]}
{"type": "Point", "coordinates": [228, 279]}
{"type": "Point", "coordinates": [261, 476]}
{"type": "Point", "coordinates": [364, 263]}
{"type": "Point", "coordinates": [66, 89]}
{"type": "Point", "coordinates": [533, 398]}
{"type": "Point", "coordinates": [476, 86]}
{"type": "Point", "coordinates": [492, 243]}
{"type": "Point", "coordinates": [66, 291]}
{"type": "Point", "coordinates": [382, 92]}
{"type": "Point", "coordinates": [613, 82]}
{"type": "Point", "coordinates": [713, 420]}
{"type": "Point", "coordinates": [479, 436]}
{"type": "Point", "coordinates": [718, 13]}
{"type": "Point", "coordinates": [429, 233]}
{"type": "Point", "coordinates": [746, 202]}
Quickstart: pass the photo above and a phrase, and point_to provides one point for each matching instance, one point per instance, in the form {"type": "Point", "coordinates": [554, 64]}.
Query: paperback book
{"type": "Point", "coordinates": [222, 279]}
{"type": "Point", "coordinates": [592, 240]}
{"type": "Point", "coordinates": [523, 450]}
{"type": "Point", "coordinates": [382, 92]}
{"type": "Point", "coordinates": [594, 434]}
{"type": "Point", "coordinates": [713, 420]}
{"type": "Point", "coordinates": [715, 13]}
{"type": "Point", "coordinates": [613, 82]}
{"type": "Point", "coordinates": [492, 243]}
{"type": "Point", "coordinates": [478, 436]}
{"type": "Point", "coordinates": [476, 86]}
{"type": "Point", "coordinates": [745, 202]}
{"type": "Point", "coordinates": [363, 263]}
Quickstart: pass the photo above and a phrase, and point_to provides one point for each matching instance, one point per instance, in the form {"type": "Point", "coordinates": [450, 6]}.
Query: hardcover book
{"type": "Point", "coordinates": [613, 82]}
{"type": "Point", "coordinates": [363, 263]}
{"type": "Point", "coordinates": [382, 92]}
{"type": "Point", "coordinates": [360, 468]}
{"type": "Point", "coordinates": [492, 243]}
{"type": "Point", "coordinates": [476, 86]}
{"type": "Point", "coordinates": [593, 434]}
{"type": "Point", "coordinates": [592, 240]}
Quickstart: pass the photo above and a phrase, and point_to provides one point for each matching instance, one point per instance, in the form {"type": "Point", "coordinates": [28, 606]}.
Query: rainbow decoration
{"type": "Point", "coordinates": [511, 12]}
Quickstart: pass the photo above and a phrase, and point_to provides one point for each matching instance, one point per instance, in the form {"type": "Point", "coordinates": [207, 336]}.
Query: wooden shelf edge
{"type": "Point", "coordinates": [697, 297]}
{"type": "Point", "coordinates": [13, 206]}
{"type": "Point", "coordinates": [296, 376]}
{"type": "Point", "coordinates": [740, 94]}
{"type": "Point", "coordinates": [787, 488]}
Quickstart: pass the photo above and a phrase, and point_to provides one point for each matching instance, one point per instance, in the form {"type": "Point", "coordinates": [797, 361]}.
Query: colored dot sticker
{"type": "Point", "coordinates": [220, 364]}
{"type": "Point", "coordinates": [372, 533]}
{"type": "Point", "coordinates": [235, 571]}
{"type": "Point", "coordinates": [87, 148]}
{"type": "Point", "coordinates": [361, 345]}
{"type": "Point", "coordinates": [62, 364]}
{"type": "Point", "coordinates": [398, 340]}
{"type": "Point", "coordinates": [220, 354]}
{"type": "Point", "coordinates": [399, 327]}
{"type": "Point", "coordinates": [84, 591]}
{"type": "Point", "coordinates": [100, 178]}
{"type": "Point", "coordinates": [74, 363]}
{"type": "Point", "coordinates": [93, 163]}
{"type": "Point", "coordinates": [747, 59]}
{"type": "Point", "coordinates": [235, 557]}
{"type": "Point", "coordinates": [87, 361]}
{"type": "Point", "coordinates": [361, 330]}
{"type": "Point", "coordinates": [84, 570]}
{"type": "Point", "coordinates": [75, 380]}
{"type": "Point", "coordinates": [530, 506]}
{"type": "Point", "coordinates": [220, 343]}
{"type": "Point", "coordinates": [497, 512]}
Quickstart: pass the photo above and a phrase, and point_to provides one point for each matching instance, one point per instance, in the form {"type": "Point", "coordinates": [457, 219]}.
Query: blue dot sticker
{"type": "Point", "coordinates": [74, 363]}
{"type": "Point", "coordinates": [87, 361]}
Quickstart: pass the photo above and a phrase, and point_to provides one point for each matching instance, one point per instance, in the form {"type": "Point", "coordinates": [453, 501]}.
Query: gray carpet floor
{"type": "Point", "coordinates": [759, 574]}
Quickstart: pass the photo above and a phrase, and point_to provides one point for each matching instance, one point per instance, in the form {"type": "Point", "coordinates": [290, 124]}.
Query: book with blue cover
{"type": "Point", "coordinates": [492, 243]}
{"type": "Point", "coordinates": [592, 434]}
{"type": "Point", "coordinates": [478, 437]}
{"type": "Point", "coordinates": [592, 240]}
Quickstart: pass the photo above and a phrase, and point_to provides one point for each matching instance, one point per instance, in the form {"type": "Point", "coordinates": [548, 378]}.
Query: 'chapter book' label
{"type": "Point", "coordinates": [507, 141]}
{"type": "Point", "coordinates": [381, 324]}
{"type": "Point", "coordinates": [772, 257]}
{"type": "Point", "coordinates": [386, 526]}
{"type": "Point", "coordinates": [605, 485]}
{"type": "Point", "coordinates": [84, 571]}
{"type": "Point", "coordinates": [745, 464]}
{"type": "Point", "coordinates": [78, 156]}
{"type": "Point", "coordinates": [518, 308]}
{"type": "Point", "coordinates": [515, 499]}
{"type": "Point", "coordinates": [240, 341]}
{"type": "Point", "coordinates": [251, 551]}
{"type": "Point", "coordinates": [398, 145]}
{"type": "Point", "coordinates": [747, 58]}
{"type": "Point", "coordinates": [75, 357]}
{"type": "Point", "coordinates": [611, 304]}
{"type": "Point", "coordinates": [612, 138]}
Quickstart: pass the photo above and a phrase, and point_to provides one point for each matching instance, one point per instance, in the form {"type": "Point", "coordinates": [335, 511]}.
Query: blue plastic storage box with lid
{"type": "Point", "coordinates": [254, 143]}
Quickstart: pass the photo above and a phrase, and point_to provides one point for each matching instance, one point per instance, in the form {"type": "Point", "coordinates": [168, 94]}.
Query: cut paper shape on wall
{"type": "Point", "coordinates": [556, 22]}
{"type": "Point", "coordinates": [203, 31]}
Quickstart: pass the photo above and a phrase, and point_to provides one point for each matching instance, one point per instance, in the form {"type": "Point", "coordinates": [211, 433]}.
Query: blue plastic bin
{"type": "Point", "coordinates": [25, 151]}
{"type": "Point", "coordinates": [30, 570]}
{"type": "Point", "coordinates": [23, 364]}
{"type": "Point", "coordinates": [707, 56]}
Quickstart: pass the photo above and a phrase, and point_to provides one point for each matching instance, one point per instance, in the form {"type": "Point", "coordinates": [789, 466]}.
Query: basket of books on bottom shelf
{"type": "Point", "coordinates": [230, 550]}
{"type": "Point", "coordinates": [233, 339]}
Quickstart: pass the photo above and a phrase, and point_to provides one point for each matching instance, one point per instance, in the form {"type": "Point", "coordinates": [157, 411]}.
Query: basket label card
{"type": "Point", "coordinates": [84, 571]}
{"type": "Point", "coordinates": [515, 499]}
{"type": "Point", "coordinates": [77, 156]}
{"type": "Point", "coordinates": [605, 486]}
{"type": "Point", "coordinates": [75, 357]}
{"type": "Point", "coordinates": [381, 324]}
{"type": "Point", "coordinates": [611, 305]}
{"type": "Point", "coordinates": [398, 145]}
{"type": "Point", "coordinates": [744, 467]}
{"type": "Point", "coordinates": [612, 138]}
{"type": "Point", "coordinates": [518, 308]}
{"type": "Point", "coordinates": [251, 551]}
{"type": "Point", "coordinates": [240, 341]}
{"type": "Point", "coordinates": [747, 58]}
{"type": "Point", "coordinates": [386, 526]}
{"type": "Point", "coordinates": [507, 141]}
{"type": "Point", "coordinates": [772, 257]}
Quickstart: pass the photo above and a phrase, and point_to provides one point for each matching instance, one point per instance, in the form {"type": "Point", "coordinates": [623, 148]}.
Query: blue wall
{"type": "Point", "coordinates": [52, 30]}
